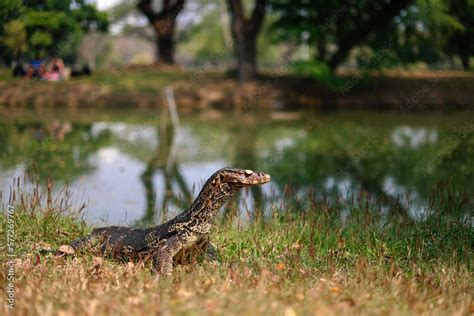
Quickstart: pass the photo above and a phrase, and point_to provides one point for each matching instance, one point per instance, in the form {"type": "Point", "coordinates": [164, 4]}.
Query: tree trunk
{"type": "Point", "coordinates": [321, 48]}
{"type": "Point", "coordinates": [163, 23]}
{"type": "Point", "coordinates": [244, 33]}
{"type": "Point", "coordinates": [465, 60]}
{"type": "Point", "coordinates": [165, 42]}
{"type": "Point", "coordinates": [245, 53]}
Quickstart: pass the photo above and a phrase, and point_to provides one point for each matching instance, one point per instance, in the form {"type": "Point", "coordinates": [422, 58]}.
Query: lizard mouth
{"type": "Point", "coordinates": [250, 177]}
{"type": "Point", "coordinates": [264, 178]}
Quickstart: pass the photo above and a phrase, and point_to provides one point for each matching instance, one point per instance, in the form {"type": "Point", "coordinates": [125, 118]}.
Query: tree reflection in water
{"type": "Point", "coordinates": [56, 150]}
{"type": "Point", "coordinates": [245, 131]}
{"type": "Point", "coordinates": [166, 162]}
{"type": "Point", "coordinates": [393, 161]}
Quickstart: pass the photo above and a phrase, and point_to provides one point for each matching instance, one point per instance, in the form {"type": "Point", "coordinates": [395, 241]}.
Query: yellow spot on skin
{"type": "Point", "coordinates": [248, 172]}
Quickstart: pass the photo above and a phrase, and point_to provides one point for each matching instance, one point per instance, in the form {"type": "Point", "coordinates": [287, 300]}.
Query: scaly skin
{"type": "Point", "coordinates": [182, 237]}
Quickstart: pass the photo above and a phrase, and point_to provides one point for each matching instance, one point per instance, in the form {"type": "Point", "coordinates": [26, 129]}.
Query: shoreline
{"type": "Point", "coordinates": [196, 91]}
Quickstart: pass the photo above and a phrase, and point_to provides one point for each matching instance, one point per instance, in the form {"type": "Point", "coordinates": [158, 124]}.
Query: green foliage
{"type": "Point", "coordinates": [460, 42]}
{"type": "Point", "coordinates": [326, 25]}
{"type": "Point", "coordinates": [9, 10]}
{"type": "Point", "coordinates": [421, 33]}
{"type": "Point", "coordinates": [14, 37]}
{"type": "Point", "coordinates": [204, 39]}
{"type": "Point", "coordinates": [426, 30]}
{"type": "Point", "coordinates": [207, 39]}
{"type": "Point", "coordinates": [52, 27]}
{"type": "Point", "coordinates": [51, 32]}
{"type": "Point", "coordinates": [319, 71]}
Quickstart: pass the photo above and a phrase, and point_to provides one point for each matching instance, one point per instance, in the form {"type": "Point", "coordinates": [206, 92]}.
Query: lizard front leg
{"type": "Point", "coordinates": [202, 249]}
{"type": "Point", "coordinates": [163, 258]}
{"type": "Point", "coordinates": [211, 253]}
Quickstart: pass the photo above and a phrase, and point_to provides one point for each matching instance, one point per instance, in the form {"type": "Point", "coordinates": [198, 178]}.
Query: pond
{"type": "Point", "coordinates": [132, 166]}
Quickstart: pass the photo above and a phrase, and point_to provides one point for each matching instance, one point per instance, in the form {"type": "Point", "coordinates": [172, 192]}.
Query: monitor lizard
{"type": "Point", "coordinates": [181, 237]}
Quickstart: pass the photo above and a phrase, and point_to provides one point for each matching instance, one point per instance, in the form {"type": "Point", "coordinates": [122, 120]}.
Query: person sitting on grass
{"type": "Point", "coordinates": [53, 74]}
{"type": "Point", "coordinates": [36, 68]}
{"type": "Point", "coordinates": [55, 70]}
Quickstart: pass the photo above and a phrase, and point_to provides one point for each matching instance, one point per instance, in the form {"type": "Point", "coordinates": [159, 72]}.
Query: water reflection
{"type": "Point", "coordinates": [144, 172]}
{"type": "Point", "coordinates": [245, 131]}
{"type": "Point", "coordinates": [58, 150]}
{"type": "Point", "coordinates": [413, 137]}
{"type": "Point", "coordinates": [165, 161]}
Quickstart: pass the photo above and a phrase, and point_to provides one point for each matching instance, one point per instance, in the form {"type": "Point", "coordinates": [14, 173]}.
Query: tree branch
{"type": "Point", "coordinates": [236, 9]}
{"type": "Point", "coordinates": [169, 10]}
{"type": "Point", "coordinates": [172, 10]}
{"type": "Point", "coordinates": [145, 7]}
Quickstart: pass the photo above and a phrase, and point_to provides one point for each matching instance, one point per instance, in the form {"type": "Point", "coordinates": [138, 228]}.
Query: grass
{"type": "Point", "coordinates": [310, 262]}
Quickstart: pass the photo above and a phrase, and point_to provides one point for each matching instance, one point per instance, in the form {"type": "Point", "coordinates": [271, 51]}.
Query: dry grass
{"type": "Point", "coordinates": [307, 264]}
{"type": "Point", "coordinates": [83, 286]}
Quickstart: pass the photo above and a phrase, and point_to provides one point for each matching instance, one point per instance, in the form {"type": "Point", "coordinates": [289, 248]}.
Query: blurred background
{"type": "Point", "coordinates": [133, 104]}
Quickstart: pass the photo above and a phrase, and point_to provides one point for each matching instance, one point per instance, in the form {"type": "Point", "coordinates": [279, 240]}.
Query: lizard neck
{"type": "Point", "coordinates": [209, 201]}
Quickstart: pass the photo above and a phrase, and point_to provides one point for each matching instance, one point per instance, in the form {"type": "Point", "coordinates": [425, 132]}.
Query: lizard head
{"type": "Point", "coordinates": [219, 187]}
{"type": "Point", "coordinates": [241, 177]}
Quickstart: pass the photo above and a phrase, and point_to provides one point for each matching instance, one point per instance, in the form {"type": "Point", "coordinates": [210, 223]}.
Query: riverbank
{"type": "Point", "coordinates": [198, 90]}
{"type": "Point", "coordinates": [294, 263]}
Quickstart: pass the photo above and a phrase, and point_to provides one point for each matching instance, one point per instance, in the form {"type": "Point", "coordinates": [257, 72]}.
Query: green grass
{"type": "Point", "coordinates": [313, 261]}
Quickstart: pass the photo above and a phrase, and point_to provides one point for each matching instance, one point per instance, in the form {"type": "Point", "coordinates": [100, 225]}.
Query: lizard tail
{"type": "Point", "coordinates": [75, 245]}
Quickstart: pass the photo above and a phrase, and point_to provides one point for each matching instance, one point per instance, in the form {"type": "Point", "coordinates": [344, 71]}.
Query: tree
{"type": "Point", "coordinates": [333, 27]}
{"type": "Point", "coordinates": [15, 38]}
{"type": "Point", "coordinates": [9, 11]}
{"type": "Point", "coordinates": [206, 40]}
{"type": "Point", "coordinates": [368, 20]}
{"type": "Point", "coordinates": [460, 41]}
{"type": "Point", "coordinates": [51, 32]}
{"type": "Point", "coordinates": [52, 27]}
{"type": "Point", "coordinates": [429, 31]}
{"type": "Point", "coordinates": [164, 25]}
{"type": "Point", "coordinates": [244, 33]}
